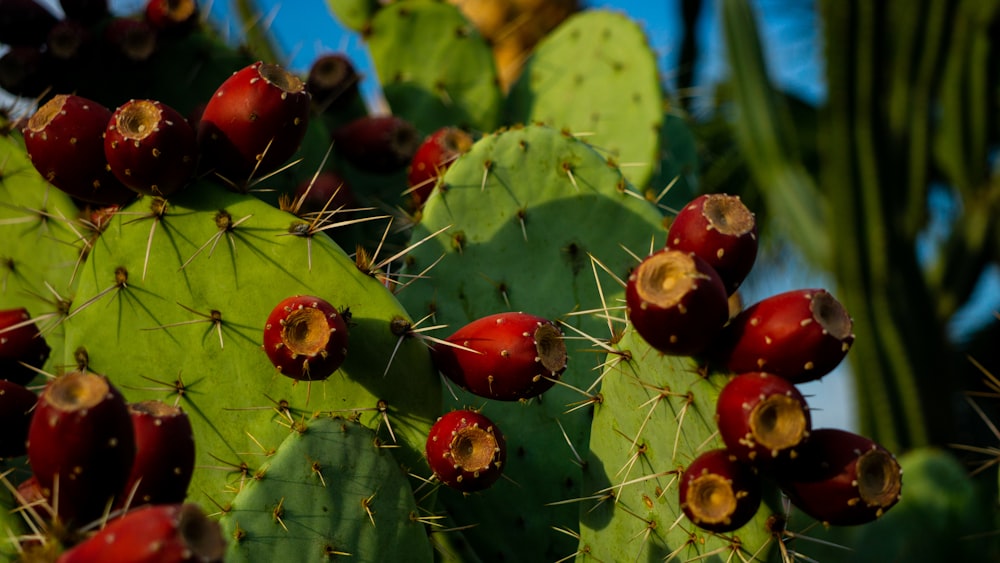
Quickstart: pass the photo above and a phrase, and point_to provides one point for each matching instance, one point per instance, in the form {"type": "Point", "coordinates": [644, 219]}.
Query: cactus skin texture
{"type": "Point", "coordinates": [332, 488]}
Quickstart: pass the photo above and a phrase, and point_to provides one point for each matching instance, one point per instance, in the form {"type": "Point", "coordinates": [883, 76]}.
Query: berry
{"type": "Point", "coordinates": [380, 144]}
{"type": "Point", "coordinates": [432, 159]}
{"type": "Point", "coordinates": [164, 454]}
{"type": "Point", "coordinates": [17, 405]}
{"type": "Point", "coordinates": [130, 39]}
{"type": "Point", "coordinates": [718, 493]}
{"type": "Point", "coordinates": [841, 478]}
{"type": "Point", "coordinates": [762, 417]}
{"type": "Point", "coordinates": [305, 338]}
{"type": "Point", "coordinates": [506, 356]}
{"type": "Point", "coordinates": [21, 345]}
{"type": "Point", "coordinates": [722, 232]}
{"type": "Point", "coordinates": [800, 335]}
{"type": "Point", "coordinates": [150, 147]}
{"type": "Point", "coordinates": [333, 82]}
{"type": "Point", "coordinates": [172, 16]}
{"type": "Point", "coordinates": [676, 302]}
{"type": "Point", "coordinates": [466, 451]}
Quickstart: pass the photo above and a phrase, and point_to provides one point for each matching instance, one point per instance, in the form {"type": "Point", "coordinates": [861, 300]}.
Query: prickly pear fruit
{"type": "Point", "coordinates": [380, 144]}
{"type": "Point", "coordinates": [150, 147]}
{"type": "Point", "coordinates": [305, 338]}
{"type": "Point", "coordinates": [17, 404]}
{"type": "Point", "coordinates": [164, 454]}
{"type": "Point", "coordinates": [81, 445]}
{"type": "Point", "coordinates": [800, 335]}
{"type": "Point", "coordinates": [718, 493]}
{"type": "Point", "coordinates": [64, 139]}
{"type": "Point", "coordinates": [332, 82]}
{"type": "Point", "coordinates": [253, 123]}
{"type": "Point", "coordinates": [762, 417]}
{"type": "Point", "coordinates": [506, 356]}
{"type": "Point", "coordinates": [721, 231]}
{"type": "Point", "coordinates": [21, 345]}
{"type": "Point", "coordinates": [841, 478]}
{"type": "Point", "coordinates": [433, 157]}
{"type": "Point", "coordinates": [172, 16]}
{"type": "Point", "coordinates": [676, 302]}
{"type": "Point", "coordinates": [166, 533]}
{"type": "Point", "coordinates": [466, 450]}
{"type": "Point", "coordinates": [132, 40]}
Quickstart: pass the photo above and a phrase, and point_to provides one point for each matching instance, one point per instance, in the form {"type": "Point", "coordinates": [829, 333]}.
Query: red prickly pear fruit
{"type": "Point", "coordinates": [721, 231]}
{"type": "Point", "coordinates": [17, 404]}
{"type": "Point", "coordinates": [166, 533]}
{"type": "Point", "coordinates": [133, 40]}
{"type": "Point", "coordinates": [800, 335]}
{"type": "Point", "coordinates": [333, 82]}
{"type": "Point", "coordinates": [81, 445]}
{"type": "Point", "coordinates": [29, 492]}
{"type": "Point", "coordinates": [718, 493]}
{"type": "Point", "coordinates": [466, 451]}
{"type": "Point", "coordinates": [380, 144]}
{"type": "Point", "coordinates": [506, 356]}
{"type": "Point", "coordinates": [150, 147]}
{"type": "Point", "coordinates": [25, 71]}
{"type": "Point", "coordinates": [87, 12]}
{"type": "Point", "coordinates": [328, 192]}
{"type": "Point", "coordinates": [841, 478]}
{"type": "Point", "coordinates": [69, 40]}
{"type": "Point", "coordinates": [164, 454]}
{"type": "Point", "coordinates": [676, 302]}
{"type": "Point", "coordinates": [21, 345]}
{"type": "Point", "coordinates": [172, 16]}
{"type": "Point", "coordinates": [433, 157]}
{"type": "Point", "coordinates": [65, 142]}
{"type": "Point", "coordinates": [305, 338]}
{"type": "Point", "coordinates": [761, 418]}
{"type": "Point", "coordinates": [253, 122]}
{"type": "Point", "coordinates": [24, 23]}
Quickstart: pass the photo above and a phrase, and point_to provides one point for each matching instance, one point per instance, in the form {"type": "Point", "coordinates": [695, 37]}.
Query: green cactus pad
{"type": "Point", "coordinates": [189, 331]}
{"type": "Point", "coordinates": [675, 179]}
{"type": "Point", "coordinates": [37, 272]}
{"type": "Point", "coordinates": [434, 67]}
{"type": "Point", "coordinates": [354, 14]}
{"type": "Point", "coordinates": [657, 415]}
{"type": "Point", "coordinates": [331, 488]}
{"type": "Point", "coordinates": [525, 210]}
{"type": "Point", "coordinates": [596, 75]}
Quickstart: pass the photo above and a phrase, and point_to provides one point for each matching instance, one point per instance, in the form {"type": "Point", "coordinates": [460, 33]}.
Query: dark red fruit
{"type": "Point", "coordinates": [25, 71]}
{"type": "Point", "coordinates": [432, 159]}
{"type": "Point", "coordinates": [305, 338]}
{"type": "Point", "coordinates": [24, 23]}
{"type": "Point", "coordinates": [722, 232]}
{"type": "Point", "coordinates": [800, 335]}
{"type": "Point", "coordinates": [762, 417]}
{"type": "Point", "coordinates": [254, 122]}
{"type": "Point", "coordinates": [131, 39]}
{"type": "Point", "coordinates": [172, 16]}
{"type": "Point", "coordinates": [69, 40]}
{"type": "Point", "coordinates": [333, 82]}
{"type": "Point", "coordinates": [327, 192]}
{"type": "Point", "coordinates": [17, 405]}
{"type": "Point", "coordinates": [20, 344]}
{"type": "Point", "coordinates": [168, 533]}
{"type": "Point", "coordinates": [676, 302]}
{"type": "Point", "coordinates": [718, 493]}
{"type": "Point", "coordinates": [841, 478]}
{"type": "Point", "coordinates": [164, 454]}
{"type": "Point", "coordinates": [81, 445]}
{"type": "Point", "coordinates": [85, 11]}
{"type": "Point", "coordinates": [380, 144]}
{"type": "Point", "coordinates": [65, 141]}
{"type": "Point", "coordinates": [466, 451]}
{"type": "Point", "coordinates": [507, 356]}
{"type": "Point", "coordinates": [150, 147]}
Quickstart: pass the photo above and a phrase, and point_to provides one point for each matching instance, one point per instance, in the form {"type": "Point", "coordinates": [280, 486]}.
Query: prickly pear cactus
{"type": "Point", "coordinates": [172, 304]}
{"type": "Point", "coordinates": [332, 488]}
{"type": "Point", "coordinates": [596, 76]}
{"type": "Point", "coordinates": [520, 217]}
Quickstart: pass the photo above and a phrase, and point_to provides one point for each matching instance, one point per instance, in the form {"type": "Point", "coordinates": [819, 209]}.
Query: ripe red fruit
{"type": "Point", "coordinates": [762, 417]}
{"type": "Point", "coordinates": [722, 232]}
{"type": "Point", "coordinates": [164, 454]}
{"type": "Point", "coordinates": [380, 144]}
{"type": "Point", "coordinates": [20, 343]}
{"type": "Point", "coordinates": [132, 40]}
{"type": "Point", "coordinates": [167, 533]}
{"type": "Point", "coordinates": [506, 356]}
{"type": "Point", "coordinates": [841, 478]}
{"type": "Point", "coordinates": [718, 493]}
{"type": "Point", "coordinates": [676, 302]}
{"type": "Point", "coordinates": [150, 147]}
{"type": "Point", "coordinates": [65, 141]}
{"type": "Point", "coordinates": [172, 15]}
{"type": "Point", "coordinates": [81, 445]}
{"type": "Point", "coordinates": [17, 405]}
{"type": "Point", "coordinates": [466, 451]}
{"type": "Point", "coordinates": [432, 159]}
{"type": "Point", "coordinates": [800, 335]}
{"type": "Point", "coordinates": [305, 338]}
{"type": "Point", "coordinates": [254, 122]}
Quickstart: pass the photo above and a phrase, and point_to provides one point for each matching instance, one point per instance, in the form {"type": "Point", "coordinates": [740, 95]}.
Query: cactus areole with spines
{"type": "Point", "coordinates": [305, 338]}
